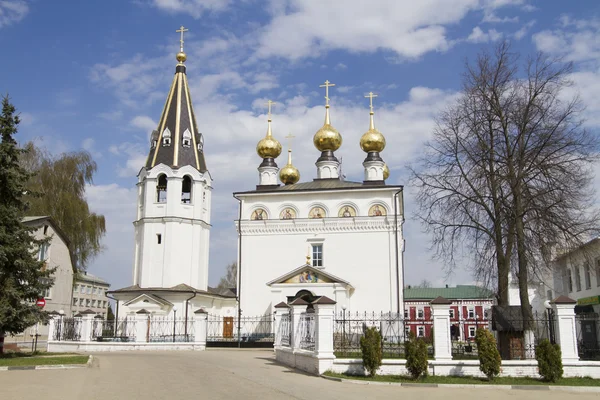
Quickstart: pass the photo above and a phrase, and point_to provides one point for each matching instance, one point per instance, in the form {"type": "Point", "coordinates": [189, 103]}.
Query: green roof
{"type": "Point", "coordinates": [460, 292]}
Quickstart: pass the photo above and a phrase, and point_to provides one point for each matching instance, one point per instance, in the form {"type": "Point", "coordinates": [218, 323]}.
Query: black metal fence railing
{"type": "Point", "coordinates": [350, 327]}
{"type": "Point", "coordinates": [306, 331]}
{"type": "Point", "coordinates": [247, 329]}
{"type": "Point", "coordinates": [67, 329]}
{"type": "Point", "coordinates": [123, 330]}
{"type": "Point", "coordinates": [285, 330]}
{"type": "Point", "coordinates": [587, 326]}
{"type": "Point", "coordinates": [170, 330]}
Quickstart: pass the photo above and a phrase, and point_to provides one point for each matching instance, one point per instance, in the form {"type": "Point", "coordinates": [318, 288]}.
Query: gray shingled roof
{"type": "Point", "coordinates": [321, 184]}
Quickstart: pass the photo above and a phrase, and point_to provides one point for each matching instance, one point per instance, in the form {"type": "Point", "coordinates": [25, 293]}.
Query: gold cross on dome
{"type": "Point", "coordinates": [290, 137]}
{"type": "Point", "coordinates": [182, 30]}
{"type": "Point", "coordinates": [327, 85]}
{"type": "Point", "coordinates": [370, 96]}
{"type": "Point", "coordinates": [269, 104]}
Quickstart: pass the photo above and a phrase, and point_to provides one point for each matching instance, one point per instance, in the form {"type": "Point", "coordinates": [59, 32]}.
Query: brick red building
{"type": "Point", "coordinates": [470, 309]}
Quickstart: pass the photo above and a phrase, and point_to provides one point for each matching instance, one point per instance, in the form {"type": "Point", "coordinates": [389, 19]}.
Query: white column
{"type": "Point", "coordinates": [328, 169]}
{"type": "Point", "coordinates": [296, 311]}
{"type": "Point", "coordinates": [324, 320]}
{"type": "Point", "coordinates": [200, 327]}
{"type": "Point", "coordinates": [141, 327]}
{"type": "Point", "coordinates": [86, 327]}
{"type": "Point", "coordinates": [442, 342]}
{"type": "Point", "coordinates": [566, 336]}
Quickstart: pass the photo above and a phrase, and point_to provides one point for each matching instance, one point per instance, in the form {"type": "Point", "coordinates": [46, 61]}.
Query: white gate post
{"type": "Point", "coordinates": [87, 317]}
{"type": "Point", "coordinates": [442, 343]}
{"type": "Point", "coordinates": [141, 326]}
{"type": "Point", "coordinates": [297, 308]}
{"type": "Point", "coordinates": [200, 328]}
{"type": "Point", "coordinates": [324, 320]}
{"type": "Point", "coordinates": [280, 309]}
{"type": "Point", "coordinates": [566, 334]}
{"type": "Point", "coordinates": [52, 323]}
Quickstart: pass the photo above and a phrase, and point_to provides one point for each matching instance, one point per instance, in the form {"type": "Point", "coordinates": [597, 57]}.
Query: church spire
{"type": "Point", "coordinates": [177, 141]}
{"type": "Point", "coordinates": [372, 143]}
{"type": "Point", "coordinates": [327, 140]}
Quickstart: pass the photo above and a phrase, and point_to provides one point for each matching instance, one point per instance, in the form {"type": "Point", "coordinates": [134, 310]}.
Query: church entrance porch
{"type": "Point", "coordinates": [246, 332]}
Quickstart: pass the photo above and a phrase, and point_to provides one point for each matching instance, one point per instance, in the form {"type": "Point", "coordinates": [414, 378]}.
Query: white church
{"type": "Point", "coordinates": [325, 236]}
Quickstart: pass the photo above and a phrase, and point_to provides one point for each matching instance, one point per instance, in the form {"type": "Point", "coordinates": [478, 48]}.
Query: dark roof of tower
{"type": "Point", "coordinates": [177, 118]}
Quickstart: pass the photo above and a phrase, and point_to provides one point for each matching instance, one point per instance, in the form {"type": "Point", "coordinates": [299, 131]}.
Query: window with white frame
{"type": "Point", "coordinates": [89, 290]}
{"type": "Point", "coordinates": [588, 275]}
{"type": "Point", "coordinates": [93, 290]}
{"type": "Point", "coordinates": [93, 303]}
{"type": "Point", "coordinates": [420, 313]}
{"type": "Point", "coordinates": [578, 278]}
{"type": "Point", "coordinates": [569, 280]}
{"type": "Point", "coordinates": [46, 293]}
{"type": "Point", "coordinates": [452, 313]}
{"type": "Point", "coordinates": [405, 313]}
{"type": "Point", "coordinates": [81, 289]}
{"type": "Point", "coordinates": [407, 331]}
{"type": "Point", "coordinates": [471, 331]}
{"type": "Point", "coordinates": [81, 302]}
{"type": "Point", "coordinates": [75, 301]}
{"type": "Point", "coordinates": [87, 302]}
{"type": "Point", "coordinates": [43, 252]}
{"type": "Point", "coordinates": [317, 255]}
{"type": "Point", "coordinates": [420, 331]}
{"type": "Point", "coordinates": [598, 272]}
{"type": "Point", "coordinates": [471, 312]}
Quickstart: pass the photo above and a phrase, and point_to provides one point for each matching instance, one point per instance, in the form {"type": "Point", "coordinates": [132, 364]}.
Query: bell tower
{"type": "Point", "coordinates": [172, 227]}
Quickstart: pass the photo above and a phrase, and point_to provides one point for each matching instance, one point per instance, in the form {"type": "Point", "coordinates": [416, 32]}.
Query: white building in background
{"type": "Point", "coordinates": [56, 254]}
{"type": "Point", "coordinates": [89, 293]}
{"type": "Point", "coordinates": [323, 237]}
{"type": "Point", "coordinates": [172, 226]}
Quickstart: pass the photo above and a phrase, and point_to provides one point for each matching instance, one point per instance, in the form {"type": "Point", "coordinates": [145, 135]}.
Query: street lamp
{"type": "Point", "coordinates": [174, 321]}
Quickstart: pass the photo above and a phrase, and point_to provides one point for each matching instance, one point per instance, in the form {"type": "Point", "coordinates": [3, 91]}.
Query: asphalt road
{"type": "Point", "coordinates": [217, 374]}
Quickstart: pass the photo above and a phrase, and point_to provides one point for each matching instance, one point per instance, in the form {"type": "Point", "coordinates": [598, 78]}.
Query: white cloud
{"type": "Point", "coordinates": [524, 29]}
{"type": "Point", "coordinates": [144, 122]}
{"type": "Point", "coordinates": [89, 145]}
{"type": "Point", "coordinates": [12, 11]}
{"type": "Point", "coordinates": [195, 8]}
{"type": "Point", "coordinates": [479, 36]}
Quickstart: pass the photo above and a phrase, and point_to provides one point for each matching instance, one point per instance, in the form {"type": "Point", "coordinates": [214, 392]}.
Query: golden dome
{"type": "Point", "coordinates": [372, 140]}
{"type": "Point", "coordinates": [268, 147]}
{"type": "Point", "coordinates": [327, 138]}
{"type": "Point", "coordinates": [181, 56]}
{"type": "Point", "coordinates": [386, 172]}
{"type": "Point", "coordinates": [289, 174]}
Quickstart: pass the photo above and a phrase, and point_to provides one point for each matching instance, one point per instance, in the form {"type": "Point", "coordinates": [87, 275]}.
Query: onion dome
{"type": "Point", "coordinates": [372, 140]}
{"type": "Point", "coordinates": [327, 138]}
{"type": "Point", "coordinates": [289, 174]}
{"type": "Point", "coordinates": [386, 172]}
{"type": "Point", "coordinates": [268, 147]}
{"type": "Point", "coordinates": [181, 57]}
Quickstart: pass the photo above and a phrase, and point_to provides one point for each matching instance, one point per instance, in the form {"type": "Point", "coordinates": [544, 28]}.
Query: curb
{"type": "Point", "coordinates": [578, 389]}
{"type": "Point", "coordinates": [47, 367]}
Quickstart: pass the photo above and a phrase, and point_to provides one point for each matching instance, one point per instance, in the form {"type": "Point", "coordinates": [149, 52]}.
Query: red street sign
{"type": "Point", "coordinates": [40, 302]}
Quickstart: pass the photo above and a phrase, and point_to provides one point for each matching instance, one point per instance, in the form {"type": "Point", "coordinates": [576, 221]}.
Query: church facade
{"type": "Point", "coordinates": [324, 237]}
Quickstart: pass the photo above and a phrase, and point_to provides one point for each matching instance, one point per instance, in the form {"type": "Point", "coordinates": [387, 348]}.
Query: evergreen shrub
{"type": "Point", "coordinates": [416, 356]}
{"type": "Point", "coordinates": [372, 352]}
{"type": "Point", "coordinates": [489, 357]}
{"type": "Point", "coordinates": [549, 360]}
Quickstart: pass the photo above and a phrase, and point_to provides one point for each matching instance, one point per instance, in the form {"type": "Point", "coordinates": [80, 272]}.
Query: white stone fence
{"type": "Point", "coordinates": [305, 340]}
{"type": "Point", "coordinates": [136, 332]}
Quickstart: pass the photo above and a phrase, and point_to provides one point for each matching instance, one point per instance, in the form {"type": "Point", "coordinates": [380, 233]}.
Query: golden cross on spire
{"type": "Point", "coordinates": [182, 29]}
{"type": "Point", "coordinates": [370, 96]}
{"type": "Point", "coordinates": [269, 104]}
{"type": "Point", "coordinates": [326, 86]}
{"type": "Point", "coordinates": [290, 137]}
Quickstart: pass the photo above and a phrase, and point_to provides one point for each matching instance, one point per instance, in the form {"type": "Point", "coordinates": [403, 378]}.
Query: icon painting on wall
{"type": "Point", "coordinates": [258, 214]}
{"type": "Point", "coordinates": [347, 211]}
{"type": "Point", "coordinates": [307, 276]}
{"type": "Point", "coordinates": [377, 211]}
{"type": "Point", "coordinates": [288, 213]}
{"type": "Point", "coordinates": [316, 212]}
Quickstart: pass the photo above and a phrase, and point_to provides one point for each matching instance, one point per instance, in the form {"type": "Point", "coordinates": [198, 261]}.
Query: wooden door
{"type": "Point", "coordinates": [228, 327]}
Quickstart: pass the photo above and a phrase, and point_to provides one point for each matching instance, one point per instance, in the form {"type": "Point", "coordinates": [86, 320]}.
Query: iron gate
{"type": "Point", "coordinates": [228, 331]}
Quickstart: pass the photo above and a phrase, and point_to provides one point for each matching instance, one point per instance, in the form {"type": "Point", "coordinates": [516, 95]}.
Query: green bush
{"type": "Point", "coordinates": [489, 357]}
{"type": "Point", "coordinates": [549, 360]}
{"type": "Point", "coordinates": [416, 356]}
{"type": "Point", "coordinates": [372, 352]}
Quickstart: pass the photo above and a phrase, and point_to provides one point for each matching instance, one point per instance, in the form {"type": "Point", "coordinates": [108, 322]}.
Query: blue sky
{"type": "Point", "coordinates": [95, 74]}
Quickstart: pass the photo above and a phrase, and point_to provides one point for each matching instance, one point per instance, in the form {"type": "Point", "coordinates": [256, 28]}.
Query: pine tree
{"type": "Point", "coordinates": [22, 277]}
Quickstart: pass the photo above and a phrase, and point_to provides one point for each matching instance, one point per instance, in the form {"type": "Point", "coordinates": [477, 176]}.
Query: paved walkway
{"type": "Point", "coordinates": [216, 374]}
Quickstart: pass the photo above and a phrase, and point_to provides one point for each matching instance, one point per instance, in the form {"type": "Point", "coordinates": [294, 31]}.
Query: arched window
{"type": "Point", "coordinates": [186, 190]}
{"type": "Point", "coordinates": [166, 137]}
{"type": "Point", "coordinates": [187, 138]}
{"type": "Point", "coordinates": [161, 189]}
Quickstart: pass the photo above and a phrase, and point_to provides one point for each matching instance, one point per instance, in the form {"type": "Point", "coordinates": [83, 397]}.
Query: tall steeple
{"type": "Point", "coordinates": [177, 141]}
{"type": "Point", "coordinates": [327, 140]}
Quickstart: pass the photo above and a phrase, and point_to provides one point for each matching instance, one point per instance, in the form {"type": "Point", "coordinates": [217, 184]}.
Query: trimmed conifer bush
{"type": "Point", "coordinates": [372, 352]}
{"type": "Point", "coordinates": [489, 357]}
{"type": "Point", "coordinates": [416, 356]}
{"type": "Point", "coordinates": [549, 360]}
